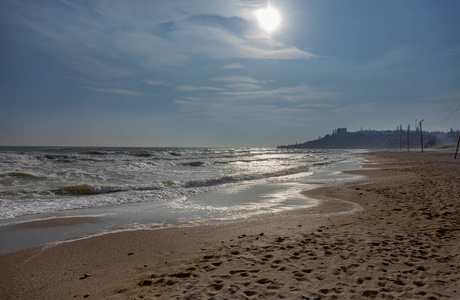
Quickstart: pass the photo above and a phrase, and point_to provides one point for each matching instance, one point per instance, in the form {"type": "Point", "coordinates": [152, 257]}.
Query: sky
{"type": "Point", "coordinates": [188, 73]}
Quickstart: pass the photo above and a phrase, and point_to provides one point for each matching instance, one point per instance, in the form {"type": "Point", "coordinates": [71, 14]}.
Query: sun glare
{"type": "Point", "coordinates": [269, 18]}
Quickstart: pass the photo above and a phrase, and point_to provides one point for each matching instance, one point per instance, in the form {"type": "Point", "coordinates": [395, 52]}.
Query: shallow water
{"type": "Point", "coordinates": [227, 184]}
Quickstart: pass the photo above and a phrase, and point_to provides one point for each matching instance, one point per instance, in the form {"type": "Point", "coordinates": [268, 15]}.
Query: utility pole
{"type": "Point", "coordinates": [408, 136]}
{"type": "Point", "coordinates": [421, 134]}
{"type": "Point", "coordinates": [456, 150]}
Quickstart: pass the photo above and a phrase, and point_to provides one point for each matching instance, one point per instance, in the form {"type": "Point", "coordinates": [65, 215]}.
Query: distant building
{"type": "Point", "coordinates": [340, 131]}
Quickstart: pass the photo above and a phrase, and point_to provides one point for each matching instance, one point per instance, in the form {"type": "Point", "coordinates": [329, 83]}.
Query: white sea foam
{"type": "Point", "coordinates": [40, 180]}
{"type": "Point", "coordinates": [130, 189]}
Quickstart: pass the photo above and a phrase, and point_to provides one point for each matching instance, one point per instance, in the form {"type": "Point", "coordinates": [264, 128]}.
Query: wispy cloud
{"type": "Point", "coordinates": [148, 50]}
{"type": "Point", "coordinates": [355, 109]}
{"type": "Point", "coordinates": [98, 67]}
{"type": "Point", "coordinates": [154, 82]}
{"type": "Point", "coordinates": [302, 95]}
{"type": "Point", "coordinates": [395, 57]}
{"type": "Point", "coordinates": [120, 92]}
{"type": "Point", "coordinates": [240, 79]}
{"type": "Point", "coordinates": [243, 112]}
{"type": "Point", "coordinates": [254, 102]}
{"type": "Point", "coordinates": [242, 86]}
{"type": "Point", "coordinates": [191, 88]}
{"type": "Point", "coordinates": [218, 43]}
{"type": "Point", "coordinates": [99, 39]}
{"type": "Point", "coordinates": [232, 67]}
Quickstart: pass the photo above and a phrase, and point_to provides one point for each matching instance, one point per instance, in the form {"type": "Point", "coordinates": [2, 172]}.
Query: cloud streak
{"type": "Point", "coordinates": [154, 82]}
{"type": "Point", "coordinates": [233, 67]}
{"type": "Point", "coordinates": [191, 88]}
{"type": "Point", "coordinates": [238, 79]}
{"type": "Point", "coordinates": [98, 39]}
{"type": "Point", "coordinates": [119, 92]}
{"type": "Point", "coordinates": [258, 103]}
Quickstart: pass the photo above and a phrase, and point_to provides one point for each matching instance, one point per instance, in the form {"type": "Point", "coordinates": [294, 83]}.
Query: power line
{"type": "Point", "coordinates": [451, 113]}
{"type": "Point", "coordinates": [458, 107]}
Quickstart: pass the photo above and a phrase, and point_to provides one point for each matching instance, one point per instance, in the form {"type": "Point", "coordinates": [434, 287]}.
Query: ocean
{"type": "Point", "coordinates": [129, 187]}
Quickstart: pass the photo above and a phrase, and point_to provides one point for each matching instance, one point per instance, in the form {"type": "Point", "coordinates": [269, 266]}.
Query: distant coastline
{"type": "Point", "coordinates": [341, 138]}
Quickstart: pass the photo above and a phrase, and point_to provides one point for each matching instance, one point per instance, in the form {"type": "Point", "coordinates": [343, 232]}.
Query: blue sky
{"type": "Point", "coordinates": [204, 73]}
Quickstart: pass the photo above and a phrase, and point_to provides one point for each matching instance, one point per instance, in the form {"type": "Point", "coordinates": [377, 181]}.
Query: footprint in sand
{"type": "Point", "coordinates": [216, 286]}
{"type": "Point", "coordinates": [264, 281]}
{"type": "Point", "coordinates": [299, 276]}
{"type": "Point", "coordinates": [250, 293]}
{"type": "Point", "coordinates": [233, 272]}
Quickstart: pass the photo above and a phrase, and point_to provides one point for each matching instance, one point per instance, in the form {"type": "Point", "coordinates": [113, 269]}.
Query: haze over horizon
{"type": "Point", "coordinates": [210, 73]}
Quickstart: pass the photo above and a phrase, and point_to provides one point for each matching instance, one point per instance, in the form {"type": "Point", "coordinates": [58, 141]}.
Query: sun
{"type": "Point", "coordinates": [269, 18]}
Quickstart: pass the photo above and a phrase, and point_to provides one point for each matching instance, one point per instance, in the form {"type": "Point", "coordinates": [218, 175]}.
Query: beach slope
{"type": "Point", "coordinates": [394, 234]}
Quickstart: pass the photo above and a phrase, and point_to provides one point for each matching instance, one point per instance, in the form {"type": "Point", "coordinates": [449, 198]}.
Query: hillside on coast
{"type": "Point", "coordinates": [341, 138]}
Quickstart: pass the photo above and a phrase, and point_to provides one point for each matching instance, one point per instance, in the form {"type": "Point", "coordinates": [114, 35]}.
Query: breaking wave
{"type": "Point", "coordinates": [35, 179]}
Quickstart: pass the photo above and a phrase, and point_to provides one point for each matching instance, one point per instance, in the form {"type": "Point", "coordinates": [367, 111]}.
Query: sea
{"type": "Point", "coordinates": [126, 188]}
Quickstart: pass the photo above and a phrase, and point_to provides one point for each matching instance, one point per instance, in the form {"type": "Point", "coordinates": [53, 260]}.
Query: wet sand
{"type": "Point", "coordinates": [54, 222]}
{"type": "Point", "coordinates": [393, 235]}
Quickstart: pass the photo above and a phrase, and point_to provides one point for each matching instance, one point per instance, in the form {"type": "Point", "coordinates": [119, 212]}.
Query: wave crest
{"type": "Point", "coordinates": [84, 190]}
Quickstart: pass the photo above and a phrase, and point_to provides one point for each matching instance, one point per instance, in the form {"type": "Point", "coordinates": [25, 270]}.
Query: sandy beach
{"type": "Point", "coordinates": [393, 235]}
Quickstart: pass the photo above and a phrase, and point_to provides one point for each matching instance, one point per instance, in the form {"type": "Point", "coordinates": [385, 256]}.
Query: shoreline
{"type": "Point", "coordinates": [55, 222]}
{"type": "Point", "coordinates": [221, 205]}
{"type": "Point", "coordinates": [390, 248]}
